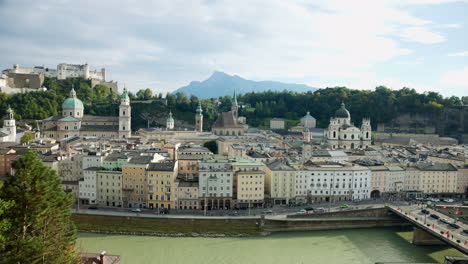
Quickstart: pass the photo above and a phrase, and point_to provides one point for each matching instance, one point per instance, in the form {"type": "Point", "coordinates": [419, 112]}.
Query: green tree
{"type": "Point", "coordinates": [212, 146]}
{"type": "Point", "coordinates": [41, 230]}
{"type": "Point", "coordinates": [4, 223]}
{"type": "Point", "coordinates": [26, 138]}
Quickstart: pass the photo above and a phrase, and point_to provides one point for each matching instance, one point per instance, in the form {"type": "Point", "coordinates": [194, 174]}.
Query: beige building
{"type": "Point", "coordinates": [70, 170]}
{"type": "Point", "coordinates": [432, 178]}
{"type": "Point", "coordinates": [109, 188]}
{"type": "Point", "coordinates": [280, 182]}
{"type": "Point", "coordinates": [386, 179]}
{"type": "Point", "coordinates": [249, 182]}
{"type": "Point", "coordinates": [462, 180]}
{"type": "Point", "coordinates": [135, 185]}
{"type": "Point", "coordinates": [161, 185]}
{"type": "Point", "coordinates": [73, 122]}
{"type": "Point", "coordinates": [186, 193]}
{"type": "Point", "coordinates": [277, 123]}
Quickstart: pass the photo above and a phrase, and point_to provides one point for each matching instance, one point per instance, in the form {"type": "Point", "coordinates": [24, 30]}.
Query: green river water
{"type": "Point", "coordinates": [330, 247]}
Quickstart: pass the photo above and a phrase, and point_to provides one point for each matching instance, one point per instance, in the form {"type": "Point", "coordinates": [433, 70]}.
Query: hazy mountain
{"type": "Point", "coordinates": [220, 84]}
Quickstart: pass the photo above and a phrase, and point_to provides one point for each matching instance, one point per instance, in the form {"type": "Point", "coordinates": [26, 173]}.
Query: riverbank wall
{"type": "Point", "coordinates": [235, 226]}
{"type": "Point", "coordinates": [185, 226]}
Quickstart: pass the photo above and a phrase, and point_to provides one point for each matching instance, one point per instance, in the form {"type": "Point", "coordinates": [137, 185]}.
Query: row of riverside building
{"type": "Point", "coordinates": [190, 177]}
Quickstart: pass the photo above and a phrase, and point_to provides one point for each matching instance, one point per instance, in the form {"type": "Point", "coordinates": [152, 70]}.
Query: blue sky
{"type": "Point", "coordinates": [162, 45]}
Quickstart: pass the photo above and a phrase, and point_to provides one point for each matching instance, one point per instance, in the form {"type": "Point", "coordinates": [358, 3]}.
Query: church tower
{"type": "Point", "coordinates": [366, 132]}
{"type": "Point", "coordinates": [235, 106]}
{"type": "Point", "coordinates": [199, 118]}
{"type": "Point", "coordinates": [9, 125]}
{"type": "Point", "coordinates": [125, 118]}
{"type": "Point", "coordinates": [170, 121]}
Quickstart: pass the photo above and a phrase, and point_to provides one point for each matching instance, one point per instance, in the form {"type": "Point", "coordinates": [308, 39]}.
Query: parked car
{"type": "Point", "coordinates": [267, 211]}
{"type": "Point", "coordinates": [425, 211]}
{"type": "Point", "coordinates": [465, 203]}
{"type": "Point", "coordinates": [319, 210]}
{"type": "Point", "coordinates": [233, 213]}
{"type": "Point", "coordinates": [435, 200]}
{"type": "Point", "coordinates": [301, 212]}
{"type": "Point", "coordinates": [454, 225]}
{"type": "Point", "coordinates": [464, 232]}
{"type": "Point", "coordinates": [449, 200]}
{"type": "Point", "coordinates": [163, 211]}
{"type": "Point", "coordinates": [309, 210]}
{"type": "Point", "coordinates": [344, 206]}
{"type": "Point", "coordinates": [93, 207]}
{"type": "Point", "coordinates": [136, 210]}
{"type": "Point", "coordinates": [435, 216]}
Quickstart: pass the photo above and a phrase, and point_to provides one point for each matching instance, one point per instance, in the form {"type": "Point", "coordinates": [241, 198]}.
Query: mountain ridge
{"type": "Point", "coordinates": [221, 84]}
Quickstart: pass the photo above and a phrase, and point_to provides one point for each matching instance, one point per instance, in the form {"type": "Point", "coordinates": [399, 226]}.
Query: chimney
{"type": "Point", "coordinates": [101, 257]}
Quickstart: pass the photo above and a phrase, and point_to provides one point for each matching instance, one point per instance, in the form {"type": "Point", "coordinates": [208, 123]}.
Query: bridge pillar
{"type": "Point", "coordinates": [423, 238]}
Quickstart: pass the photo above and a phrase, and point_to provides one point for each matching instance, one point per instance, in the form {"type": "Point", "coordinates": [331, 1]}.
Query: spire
{"type": "Point", "coordinates": [342, 104]}
{"type": "Point", "coordinates": [72, 91]}
{"type": "Point", "coordinates": [9, 110]}
{"type": "Point", "coordinates": [199, 109]}
{"type": "Point", "coordinates": [235, 97]}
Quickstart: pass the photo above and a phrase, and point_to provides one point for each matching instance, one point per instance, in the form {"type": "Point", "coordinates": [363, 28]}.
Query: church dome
{"type": "Point", "coordinates": [342, 112]}
{"type": "Point", "coordinates": [72, 101]}
{"type": "Point", "coordinates": [170, 119]}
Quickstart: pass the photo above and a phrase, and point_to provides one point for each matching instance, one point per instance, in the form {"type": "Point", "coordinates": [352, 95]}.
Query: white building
{"type": "Point", "coordinates": [215, 183]}
{"type": "Point", "coordinates": [322, 182]}
{"type": "Point", "coordinates": [170, 121]}
{"type": "Point", "coordinates": [341, 133]}
{"type": "Point", "coordinates": [87, 187]}
{"type": "Point", "coordinates": [63, 71]}
{"type": "Point", "coordinates": [8, 132]}
{"type": "Point", "coordinates": [277, 123]}
{"type": "Point", "coordinates": [308, 121]}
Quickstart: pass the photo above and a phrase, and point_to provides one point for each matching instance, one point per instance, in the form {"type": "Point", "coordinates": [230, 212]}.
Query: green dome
{"type": "Point", "coordinates": [170, 119]}
{"type": "Point", "coordinates": [72, 103]}
{"type": "Point", "coordinates": [342, 112]}
{"type": "Point", "coordinates": [124, 95]}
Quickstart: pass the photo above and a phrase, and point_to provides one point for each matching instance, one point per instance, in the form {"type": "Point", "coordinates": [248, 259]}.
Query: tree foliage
{"type": "Point", "coordinates": [40, 230]}
{"type": "Point", "coordinates": [26, 138]}
{"type": "Point", "coordinates": [212, 146]}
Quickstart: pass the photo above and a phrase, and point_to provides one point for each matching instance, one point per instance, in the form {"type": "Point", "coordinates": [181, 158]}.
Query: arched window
{"type": "Point", "coordinates": [367, 135]}
{"type": "Point", "coordinates": [345, 136]}
{"type": "Point", "coordinates": [352, 136]}
{"type": "Point", "coordinates": [334, 134]}
{"type": "Point", "coordinates": [124, 112]}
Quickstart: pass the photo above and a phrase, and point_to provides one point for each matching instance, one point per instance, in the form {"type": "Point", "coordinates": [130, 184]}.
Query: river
{"type": "Point", "coordinates": [360, 246]}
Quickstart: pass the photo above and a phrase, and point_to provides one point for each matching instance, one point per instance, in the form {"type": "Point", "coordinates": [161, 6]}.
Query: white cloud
{"type": "Point", "coordinates": [165, 44]}
{"type": "Point", "coordinates": [459, 54]}
{"type": "Point", "coordinates": [458, 78]}
{"type": "Point", "coordinates": [421, 35]}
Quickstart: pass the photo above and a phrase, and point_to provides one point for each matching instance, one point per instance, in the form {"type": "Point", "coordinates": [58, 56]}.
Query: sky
{"type": "Point", "coordinates": [163, 45]}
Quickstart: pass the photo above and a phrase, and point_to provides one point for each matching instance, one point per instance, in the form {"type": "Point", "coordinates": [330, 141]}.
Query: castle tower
{"type": "Point", "coordinates": [199, 118]}
{"type": "Point", "coordinates": [9, 125]}
{"type": "Point", "coordinates": [235, 106]}
{"type": "Point", "coordinates": [73, 106]}
{"type": "Point", "coordinates": [125, 117]}
{"type": "Point", "coordinates": [170, 121]}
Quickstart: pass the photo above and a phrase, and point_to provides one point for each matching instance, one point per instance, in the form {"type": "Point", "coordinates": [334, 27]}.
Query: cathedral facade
{"type": "Point", "coordinates": [73, 122]}
{"type": "Point", "coordinates": [342, 134]}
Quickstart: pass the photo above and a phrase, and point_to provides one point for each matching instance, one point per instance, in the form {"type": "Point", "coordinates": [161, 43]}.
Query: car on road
{"type": "Point", "coordinates": [319, 210]}
{"type": "Point", "coordinates": [234, 213]}
{"type": "Point", "coordinates": [425, 211]}
{"type": "Point", "coordinates": [454, 225]}
{"type": "Point", "coordinates": [344, 206]}
{"type": "Point", "coordinates": [449, 200]}
{"type": "Point", "coordinates": [435, 200]}
{"type": "Point", "coordinates": [136, 210]}
{"type": "Point", "coordinates": [465, 203]}
{"type": "Point", "coordinates": [93, 208]}
{"type": "Point", "coordinates": [163, 211]}
{"type": "Point", "coordinates": [301, 212]}
{"type": "Point", "coordinates": [464, 232]}
{"type": "Point", "coordinates": [445, 221]}
{"type": "Point", "coordinates": [435, 216]}
{"type": "Point", "coordinates": [267, 211]}
{"type": "Point", "coordinates": [309, 210]}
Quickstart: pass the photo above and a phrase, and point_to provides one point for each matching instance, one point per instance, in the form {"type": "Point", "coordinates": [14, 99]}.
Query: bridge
{"type": "Point", "coordinates": [430, 231]}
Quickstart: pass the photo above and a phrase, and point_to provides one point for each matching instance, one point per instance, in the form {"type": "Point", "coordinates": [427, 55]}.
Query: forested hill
{"type": "Point", "coordinates": [381, 105]}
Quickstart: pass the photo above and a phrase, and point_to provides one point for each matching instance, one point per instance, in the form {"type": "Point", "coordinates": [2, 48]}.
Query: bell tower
{"type": "Point", "coordinates": [9, 125]}
{"type": "Point", "coordinates": [199, 118]}
{"type": "Point", "coordinates": [125, 117]}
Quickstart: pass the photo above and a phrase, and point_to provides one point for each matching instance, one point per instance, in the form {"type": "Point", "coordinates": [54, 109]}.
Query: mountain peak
{"type": "Point", "coordinates": [221, 84]}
